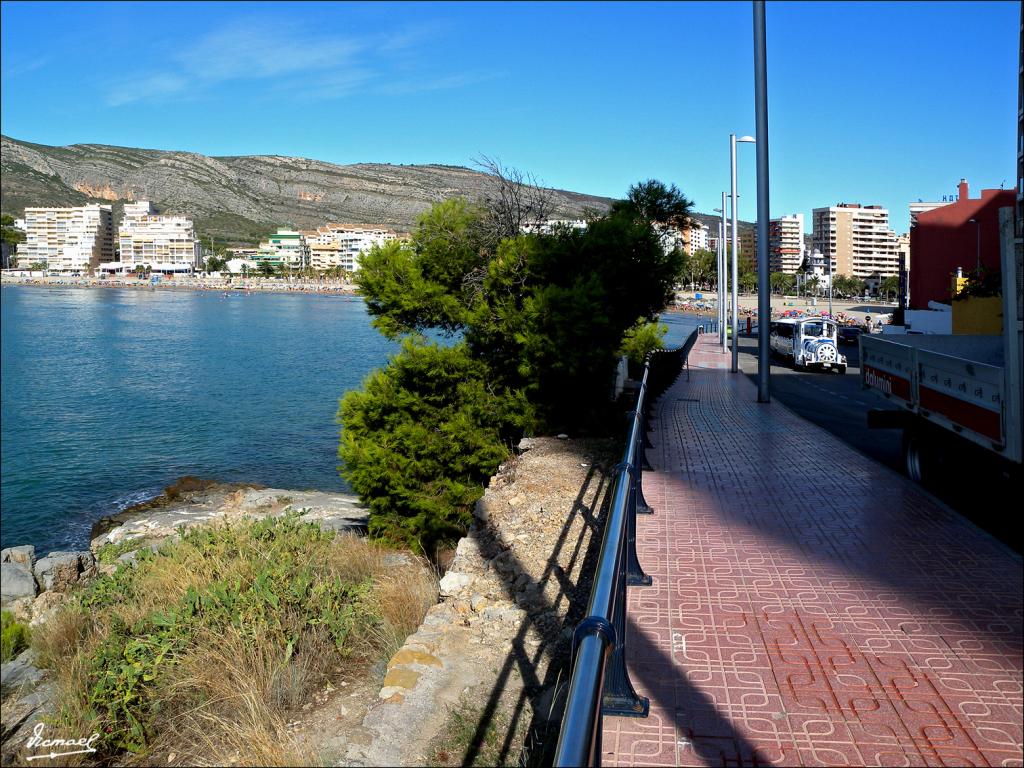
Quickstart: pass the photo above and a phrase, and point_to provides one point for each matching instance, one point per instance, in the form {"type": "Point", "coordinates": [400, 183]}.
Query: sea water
{"type": "Point", "coordinates": [109, 395]}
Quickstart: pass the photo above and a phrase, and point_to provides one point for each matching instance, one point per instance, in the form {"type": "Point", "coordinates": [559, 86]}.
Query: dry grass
{"type": "Point", "coordinates": [227, 703]}
{"type": "Point", "coordinates": [227, 688]}
{"type": "Point", "coordinates": [400, 595]}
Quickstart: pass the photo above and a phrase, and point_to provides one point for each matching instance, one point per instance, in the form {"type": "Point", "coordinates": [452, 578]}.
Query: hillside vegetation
{"type": "Point", "coordinates": [201, 653]}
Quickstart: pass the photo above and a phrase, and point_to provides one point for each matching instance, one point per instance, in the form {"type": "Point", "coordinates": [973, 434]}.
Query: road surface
{"type": "Point", "coordinates": [838, 404]}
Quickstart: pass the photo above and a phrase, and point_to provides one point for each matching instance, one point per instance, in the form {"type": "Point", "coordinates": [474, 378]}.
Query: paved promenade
{"type": "Point", "coordinates": [810, 606]}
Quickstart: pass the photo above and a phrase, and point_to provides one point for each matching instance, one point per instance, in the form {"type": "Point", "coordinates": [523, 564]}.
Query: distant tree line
{"type": "Point", "coordinates": [11, 236]}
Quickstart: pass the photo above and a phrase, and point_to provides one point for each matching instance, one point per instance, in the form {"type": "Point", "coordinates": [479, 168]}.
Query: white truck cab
{"type": "Point", "coordinates": [811, 342]}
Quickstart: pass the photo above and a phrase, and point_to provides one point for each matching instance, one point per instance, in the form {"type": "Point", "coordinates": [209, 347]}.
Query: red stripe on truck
{"type": "Point", "coordinates": [969, 415]}
{"type": "Point", "coordinates": [887, 382]}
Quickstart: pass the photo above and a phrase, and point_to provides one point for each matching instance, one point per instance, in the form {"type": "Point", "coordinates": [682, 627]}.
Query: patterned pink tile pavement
{"type": "Point", "coordinates": [809, 606]}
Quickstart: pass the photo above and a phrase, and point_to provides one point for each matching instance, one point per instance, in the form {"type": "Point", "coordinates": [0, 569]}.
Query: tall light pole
{"type": "Point", "coordinates": [829, 282]}
{"type": "Point", "coordinates": [735, 251]}
{"type": "Point", "coordinates": [764, 311]}
{"type": "Point", "coordinates": [723, 232]}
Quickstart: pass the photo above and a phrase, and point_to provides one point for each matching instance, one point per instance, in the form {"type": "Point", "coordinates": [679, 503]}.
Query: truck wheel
{"type": "Point", "coordinates": [914, 459]}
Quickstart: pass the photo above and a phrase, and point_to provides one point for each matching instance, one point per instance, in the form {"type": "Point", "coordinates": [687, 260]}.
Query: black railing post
{"type": "Point", "coordinates": [620, 698]}
{"type": "Point", "coordinates": [635, 576]}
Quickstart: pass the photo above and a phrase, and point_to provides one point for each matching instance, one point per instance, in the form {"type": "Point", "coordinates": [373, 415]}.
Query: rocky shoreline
{"type": "Point", "coordinates": [34, 588]}
{"type": "Point", "coordinates": [31, 587]}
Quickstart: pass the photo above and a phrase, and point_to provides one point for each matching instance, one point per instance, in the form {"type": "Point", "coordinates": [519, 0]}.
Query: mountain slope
{"type": "Point", "coordinates": [239, 198]}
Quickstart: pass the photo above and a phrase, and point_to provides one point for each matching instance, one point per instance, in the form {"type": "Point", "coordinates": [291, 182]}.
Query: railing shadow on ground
{"type": "Point", "coordinates": [547, 694]}
{"type": "Point", "coordinates": [543, 693]}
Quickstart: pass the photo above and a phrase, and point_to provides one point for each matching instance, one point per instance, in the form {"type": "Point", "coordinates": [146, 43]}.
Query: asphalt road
{"type": "Point", "coordinates": [837, 403]}
{"type": "Point", "coordinates": [832, 401]}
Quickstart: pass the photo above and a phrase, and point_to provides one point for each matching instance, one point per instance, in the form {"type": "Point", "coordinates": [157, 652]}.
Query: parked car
{"type": "Point", "coordinates": [848, 334]}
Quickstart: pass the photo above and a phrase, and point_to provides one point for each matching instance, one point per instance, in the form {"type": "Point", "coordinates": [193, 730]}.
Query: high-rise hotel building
{"type": "Point", "coordinates": [160, 243]}
{"type": "Point", "coordinates": [341, 245]}
{"type": "Point", "coordinates": [857, 239]}
{"type": "Point", "coordinates": [786, 243]}
{"type": "Point", "coordinates": [68, 239]}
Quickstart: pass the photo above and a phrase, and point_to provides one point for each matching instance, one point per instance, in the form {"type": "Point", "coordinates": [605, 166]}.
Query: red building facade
{"type": "Point", "coordinates": [945, 238]}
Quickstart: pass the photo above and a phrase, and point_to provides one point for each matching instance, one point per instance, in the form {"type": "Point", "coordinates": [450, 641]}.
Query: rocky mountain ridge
{"type": "Point", "coordinates": [240, 198]}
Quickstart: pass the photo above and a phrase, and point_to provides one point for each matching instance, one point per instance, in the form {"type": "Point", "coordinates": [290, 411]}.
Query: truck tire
{"type": "Point", "coordinates": [915, 458]}
{"type": "Point", "coordinates": [927, 456]}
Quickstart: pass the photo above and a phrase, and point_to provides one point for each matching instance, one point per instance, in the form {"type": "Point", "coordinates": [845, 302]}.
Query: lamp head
{"type": "Point", "coordinates": [747, 139]}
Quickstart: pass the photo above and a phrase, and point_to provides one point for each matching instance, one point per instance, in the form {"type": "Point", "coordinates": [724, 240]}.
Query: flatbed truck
{"type": "Point", "coordinates": [958, 397]}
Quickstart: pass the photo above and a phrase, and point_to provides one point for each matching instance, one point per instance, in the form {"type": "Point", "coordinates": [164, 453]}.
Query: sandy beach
{"type": "Point", "coordinates": [193, 283]}
{"type": "Point", "coordinates": [844, 310]}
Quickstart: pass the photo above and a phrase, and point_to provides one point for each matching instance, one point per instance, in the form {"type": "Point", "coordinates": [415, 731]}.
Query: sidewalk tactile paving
{"type": "Point", "coordinates": [809, 606]}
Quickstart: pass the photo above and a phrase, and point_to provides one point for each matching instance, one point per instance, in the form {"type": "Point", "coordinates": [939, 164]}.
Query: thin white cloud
{"type": "Point", "coordinates": [24, 67]}
{"type": "Point", "coordinates": [254, 51]}
{"type": "Point", "coordinates": [441, 83]}
{"type": "Point", "coordinates": [292, 61]}
{"type": "Point", "coordinates": [150, 87]}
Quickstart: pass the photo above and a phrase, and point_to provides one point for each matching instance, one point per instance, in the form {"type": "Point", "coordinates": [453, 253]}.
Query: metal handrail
{"type": "Point", "coordinates": [599, 683]}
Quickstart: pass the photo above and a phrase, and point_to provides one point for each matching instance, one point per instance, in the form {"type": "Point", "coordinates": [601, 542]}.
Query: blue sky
{"type": "Point", "coordinates": [878, 103]}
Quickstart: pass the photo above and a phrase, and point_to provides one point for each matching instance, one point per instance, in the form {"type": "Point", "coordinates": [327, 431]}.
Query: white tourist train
{"type": "Point", "coordinates": [811, 342]}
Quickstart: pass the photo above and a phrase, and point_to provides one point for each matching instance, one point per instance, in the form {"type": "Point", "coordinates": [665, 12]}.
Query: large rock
{"type": "Point", "coordinates": [157, 522]}
{"type": "Point", "coordinates": [19, 674]}
{"type": "Point", "coordinates": [16, 582]}
{"type": "Point", "coordinates": [45, 607]}
{"type": "Point", "coordinates": [454, 583]}
{"type": "Point", "coordinates": [60, 571]}
{"type": "Point", "coordinates": [25, 554]}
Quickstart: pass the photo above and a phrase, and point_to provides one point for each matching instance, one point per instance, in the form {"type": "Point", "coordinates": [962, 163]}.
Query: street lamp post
{"type": "Point", "coordinates": [718, 283]}
{"type": "Point", "coordinates": [735, 251]}
{"type": "Point", "coordinates": [829, 284]}
{"type": "Point", "coordinates": [718, 277]}
{"type": "Point", "coordinates": [764, 311]}
{"type": "Point", "coordinates": [723, 280]}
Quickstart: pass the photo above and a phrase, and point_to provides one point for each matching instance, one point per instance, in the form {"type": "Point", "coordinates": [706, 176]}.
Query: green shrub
{"type": "Point", "coordinates": [642, 338]}
{"type": "Point", "coordinates": [109, 553]}
{"type": "Point", "coordinates": [14, 636]}
{"type": "Point", "coordinates": [420, 439]}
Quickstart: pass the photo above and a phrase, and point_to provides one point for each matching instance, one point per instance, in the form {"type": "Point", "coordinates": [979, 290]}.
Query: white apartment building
{"type": "Point", "coordinates": [286, 248]}
{"type": "Point", "coordinates": [165, 244]}
{"type": "Point", "coordinates": [68, 239]}
{"type": "Point", "coordinates": [696, 238]}
{"type": "Point", "coordinates": [786, 243]}
{"type": "Point", "coordinates": [857, 239]}
{"type": "Point", "coordinates": [341, 245]}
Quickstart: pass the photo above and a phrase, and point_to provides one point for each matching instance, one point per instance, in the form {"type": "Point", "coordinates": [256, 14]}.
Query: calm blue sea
{"type": "Point", "coordinates": [109, 395]}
